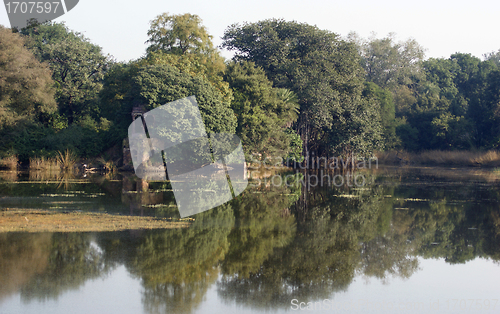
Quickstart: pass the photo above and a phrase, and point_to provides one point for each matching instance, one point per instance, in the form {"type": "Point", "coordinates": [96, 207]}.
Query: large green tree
{"type": "Point", "coordinates": [156, 85]}
{"type": "Point", "coordinates": [263, 112]}
{"type": "Point", "coordinates": [389, 63]}
{"type": "Point", "coordinates": [179, 34]}
{"type": "Point", "coordinates": [26, 88]}
{"type": "Point", "coordinates": [183, 42]}
{"type": "Point", "coordinates": [325, 73]}
{"type": "Point", "coordinates": [77, 65]}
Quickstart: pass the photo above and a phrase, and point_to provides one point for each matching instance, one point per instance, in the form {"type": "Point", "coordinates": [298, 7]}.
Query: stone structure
{"type": "Point", "coordinates": [137, 112]}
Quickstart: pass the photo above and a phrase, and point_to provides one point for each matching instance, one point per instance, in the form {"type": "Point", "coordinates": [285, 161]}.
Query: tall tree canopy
{"type": "Point", "coordinates": [183, 42]}
{"type": "Point", "coordinates": [179, 34]}
{"type": "Point", "coordinates": [389, 63]}
{"type": "Point", "coordinates": [326, 75]}
{"type": "Point", "coordinates": [78, 67]}
{"type": "Point", "coordinates": [26, 88]}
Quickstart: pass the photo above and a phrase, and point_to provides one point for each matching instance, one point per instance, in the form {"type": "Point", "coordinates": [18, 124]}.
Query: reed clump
{"type": "Point", "coordinates": [67, 160]}
{"type": "Point", "coordinates": [63, 161]}
{"type": "Point", "coordinates": [9, 162]}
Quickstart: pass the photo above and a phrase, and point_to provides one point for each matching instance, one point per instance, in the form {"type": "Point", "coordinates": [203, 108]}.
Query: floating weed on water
{"type": "Point", "coordinates": [95, 194]}
{"type": "Point", "coordinates": [413, 199]}
{"type": "Point", "coordinates": [57, 195]}
{"type": "Point", "coordinates": [347, 195]}
{"type": "Point", "coordinates": [67, 202]}
{"type": "Point", "coordinates": [158, 205]}
{"type": "Point", "coordinates": [53, 182]}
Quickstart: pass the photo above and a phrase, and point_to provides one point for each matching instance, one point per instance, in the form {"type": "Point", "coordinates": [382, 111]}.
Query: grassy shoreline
{"type": "Point", "coordinates": [36, 220]}
{"type": "Point", "coordinates": [489, 158]}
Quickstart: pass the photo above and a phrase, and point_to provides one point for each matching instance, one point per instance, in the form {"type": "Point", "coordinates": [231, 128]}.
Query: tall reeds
{"type": "Point", "coordinates": [43, 163]}
{"type": "Point", "coordinates": [64, 161]}
{"type": "Point", "coordinates": [489, 158]}
{"type": "Point", "coordinates": [10, 162]}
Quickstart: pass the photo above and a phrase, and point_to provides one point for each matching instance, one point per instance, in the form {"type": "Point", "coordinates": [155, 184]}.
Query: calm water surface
{"type": "Point", "coordinates": [410, 240]}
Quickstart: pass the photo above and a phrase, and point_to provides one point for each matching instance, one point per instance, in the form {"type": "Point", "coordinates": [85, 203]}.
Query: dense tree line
{"type": "Point", "coordinates": [291, 90]}
{"type": "Point", "coordinates": [436, 103]}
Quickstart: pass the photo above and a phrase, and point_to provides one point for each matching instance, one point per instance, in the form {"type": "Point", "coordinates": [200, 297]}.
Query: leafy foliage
{"type": "Point", "coordinates": [383, 98]}
{"type": "Point", "coordinates": [178, 34]}
{"type": "Point", "coordinates": [210, 67]}
{"type": "Point", "coordinates": [26, 88]}
{"type": "Point", "coordinates": [325, 74]}
{"type": "Point", "coordinates": [388, 63]}
{"type": "Point", "coordinates": [78, 67]}
{"type": "Point", "coordinates": [354, 96]}
{"type": "Point", "coordinates": [156, 85]}
{"type": "Point", "coordinates": [263, 112]}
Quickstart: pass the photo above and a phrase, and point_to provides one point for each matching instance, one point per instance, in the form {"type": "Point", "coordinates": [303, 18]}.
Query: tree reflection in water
{"type": "Point", "coordinates": [271, 244]}
{"type": "Point", "coordinates": [43, 266]}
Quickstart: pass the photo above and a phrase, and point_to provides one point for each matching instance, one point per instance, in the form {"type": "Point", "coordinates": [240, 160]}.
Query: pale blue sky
{"type": "Point", "coordinates": [442, 27]}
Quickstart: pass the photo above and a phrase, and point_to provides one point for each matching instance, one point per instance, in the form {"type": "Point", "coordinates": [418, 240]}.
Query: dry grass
{"type": "Point", "coordinates": [393, 157]}
{"type": "Point", "coordinates": [10, 163]}
{"type": "Point", "coordinates": [443, 158]}
{"type": "Point", "coordinates": [489, 158]}
{"type": "Point", "coordinates": [64, 161]}
{"type": "Point", "coordinates": [47, 164]}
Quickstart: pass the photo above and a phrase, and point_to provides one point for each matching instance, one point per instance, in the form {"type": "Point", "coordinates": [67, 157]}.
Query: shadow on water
{"type": "Point", "coordinates": [271, 244]}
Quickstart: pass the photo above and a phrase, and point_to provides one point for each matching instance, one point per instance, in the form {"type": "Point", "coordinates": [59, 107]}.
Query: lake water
{"type": "Point", "coordinates": [403, 240]}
